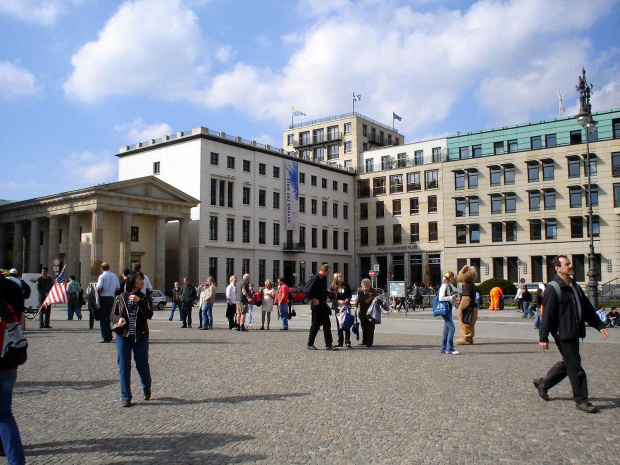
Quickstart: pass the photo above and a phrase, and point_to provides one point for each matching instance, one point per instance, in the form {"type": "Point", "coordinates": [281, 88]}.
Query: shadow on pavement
{"type": "Point", "coordinates": [31, 388]}
{"type": "Point", "coordinates": [223, 400]}
{"type": "Point", "coordinates": [151, 448]}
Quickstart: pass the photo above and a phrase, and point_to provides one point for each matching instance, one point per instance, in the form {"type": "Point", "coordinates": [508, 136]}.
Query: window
{"type": "Point", "coordinates": [276, 172]}
{"type": "Point", "coordinates": [313, 180]}
{"type": "Point", "coordinates": [576, 227]}
{"type": "Point", "coordinates": [414, 206]}
{"type": "Point", "coordinates": [314, 238]}
{"type": "Point", "coordinates": [476, 151]}
{"type": "Point", "coordinates": [495, 175]}
{"type": "Point", "coordinates": [432, 204]}
{"type": "Point", "coordinates": [397, 237]}
{"type": "Point", "coordinates": [378, 185]}
{"type": "Point", "coordinates": [498, 267]}
{"type": "Point", "coordinates": [574, 167]}
{"type": "Point", "coordinates": [332, 152]}
{"type": "Point", "coordinates": [345, 187]}
{"type": "Point", "coordinates": [262, 232]}
{"type": "Point", "coordinates": [231, 188]}
{"type": "Point", "coordinates": [472, 179]}
{"type": "Point", "coordinates": [592, 195]}
{"type": "Point", "coordinates": [574, 196]}
{"type": "Point", "coordinates": [230, 267]}
{"type": "Point", "coordinates": [533, 172]}
{"type": "Point", "coordinates": [313, 206]}
{"type": "Point", "coordinates": [413, 181]}
{"type": "Point", "coordinates": [276, 234]}
{"type": "Point", "coordinates": [459, 180]}
{"type": "Point", "coordinates": [431, 178]}
{"type": "Point", "coordinates": [548, 170]}
{"type": "Point", "coordinates": [335, 185]}
{"type": "Point", "coordinates": [536, 143]}
{"type": "Point", "coordinates": [230, 162]}
{"type": "Point", "coordinates": [513, 146]}
{"type": "Point", "coordinates": [549, 196]}
{"type": "Point", "coordinates": [213, 267]}
{"type": "Point", "coordinates": [276, 200]}
{"type": "Point", "coordinates": [380, 208]}
{"type": "Point", "coordinates": [347, 128]}
{"type": "Point", "coordinates": [510, 202]}
{"type": "Point", "coordinates": [245, 265]}
{"type": "Point", "coordinates": [302, 178]}
{"type": "Point", "coordinates": [323, 208]}
{"type": "Point", "coordinates": [345, 212]}
{"type": "Point", "coordinates": [319, 153]}
{"type": "Point", "coordinates": [246, 166]}
{"type": "Point", "coordinates": [402, 158]}
{"type": "Point", "coordinates": [213, 191]}
{"type": "Point", "coordinates": [474, 206]}
{"type": "Point", "coordinates": [550, 141]}
{"type": "Point", "coordinates": [156, 167]}
{"type": "Point", "coordinates": [304, 138]}
{"type": "Point", "coordinates": [551, 230]}
{"type": "Point", "coordinates": [364, 236]}
{"type": "Point", "coordinates": [213, 158]}
{"type": "Point", "coordinates": [460, 207]}
{"type": "Point", "coordinates": [302, 235]}
{"type": "Point", "coordinates": [385, 162]}
{"type": "Point", "coordinates": [335, 240]}
{"type": "Point", "coordinates": [534, 199]}
{"type": "Point", "coordinates": [474, 233]}
{"type": "Point", "coordinates": [302, 204]}
{"type": "Point", "coordinates": [461, 234]}
{"type": "Point", "coordinates": [498, 148]}
{"type": "Point", "coordinates": [380, 235]}
{"type": "Point", "coordinates": [370, 165]}
{"type": "Point", "coordinates": [289, 139]}
{"type": "Point", "coordinates": [246, 196]}
{"type": "Point", "coordinates": [596, 228]}
{"type": "Point", "coordinates": [535, 230]}
{"type": "Point", "coordinates": [318, 135]}
{"type": "Point", "coordinates": [396, 207]}
{"type": "Point", "coordinates": [592, 164]}
{"type": "Point", "coordinates": [363, 211]}
{"type": "Point", "coordinates": [245, 230]}
{"type": "Point", "coordinates": [345, 240]}
{"type": "Point", "coordinates": [415, 232]}
{"type": "Point", "coordinates": [575, 137]}
{"type": "Point", "coordinates": [436, 154]}
{"type": "Point", "coordinates": [276, 271]}
{"type": "Point", "coordinates": [615, 123]}
{"type": "Point", "coordinates": [496, 204]}
{"type": "Point", "coordinates": [135, 234]}
{"type": "Point", "coordinates": [509, 174]}
{"type": "Point", "coordinates": [433, 232]}
{"type": "Point", "coordinates": [617, 195]}
{"type": "Point", "coordinates": [496, 232]}
{"type": "Point", "coordinates": [332, 133]}
{"type": "Point", "coordinates": [262, 198]}
{"type": "Point", "coordinates": [335, 210]}
{"type": "Point", "coordinates": [213, 228]}
{"type": "Point", "coordinates": [511, 231]}
{"type": "Point", "coordinates": [396, 183]}
{"type": "Point", "coordinates": [262, 168]}
{"type": "Point", "coordinates": [230, 229]}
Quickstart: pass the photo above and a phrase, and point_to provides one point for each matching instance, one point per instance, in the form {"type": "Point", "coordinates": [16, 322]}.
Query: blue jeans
{"type": "Point", "coordinates": [176, 305]}
{"type": "Point", "coordinates": [207, 315]}
{"type": "Point", "coordinates": [73, 308]}
{"type": "Point", "coordinates": [106, 304]}
{"type": "Point", "coordinates": [526, 309]}
{"type": "Point", "coordinates": [248, 318]}
{"type": "Point", "coordinates": [447, 338]}
{"type": "Point", "coordinates": [283, 309]}
{"type": "Point", "coordinates": [124, 346]}
{"type": "Point", "coordinates": [9, 434]}
{"type": "Point", "coordinates": [537, 318]}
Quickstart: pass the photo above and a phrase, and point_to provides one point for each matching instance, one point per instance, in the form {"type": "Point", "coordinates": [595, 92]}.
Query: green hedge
{"type": "Point", "coordinates": [507, 287]}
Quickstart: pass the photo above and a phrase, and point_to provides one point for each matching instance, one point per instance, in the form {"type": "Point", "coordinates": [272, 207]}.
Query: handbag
{"type": "Point", "coordinates": [345, 319]}
{"type": "Point", "coordinates": [374, 313]}
{"type": "Point", "coordinates": [114, 319]}
{"type": "Point", "coordinates": [440, 308]}
{"type": "Point", "coordinates": [466, 316]}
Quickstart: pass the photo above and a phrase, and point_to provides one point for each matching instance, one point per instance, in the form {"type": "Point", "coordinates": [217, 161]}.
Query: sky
{"type": "Point", "coordinates": [81, 78]}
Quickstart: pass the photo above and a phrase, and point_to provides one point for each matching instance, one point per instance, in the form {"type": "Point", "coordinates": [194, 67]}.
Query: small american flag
{"type": "Point", "coordinates": [58, 292]}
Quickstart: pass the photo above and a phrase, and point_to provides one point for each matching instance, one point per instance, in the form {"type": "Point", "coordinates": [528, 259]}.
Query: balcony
{"type": "Point", "coordinates": [319, 139]}
{"type": "Point", "coordinates": [378, 190]}
{"type": "Point", "coordinates": [294, 247]}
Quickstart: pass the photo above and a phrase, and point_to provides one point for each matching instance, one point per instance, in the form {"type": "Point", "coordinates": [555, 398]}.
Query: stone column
{"type": "Point", "coordinates": [96, 251]}
{"type": "Point", "coordinates": [125, 244]}
{"type": "Point", "coordinates": [73, 255]}
{"type": "Point", "coordinates": [34, 262]}
{"type": "Point", "coordinates": [183, 248]}
{"type": "Point", "coordinates": [18, 247]}
{"type": "Point", "coordinates": [160, 255]}
{"type": "Point", "coordinates": [52, 240]}
{"type": "Point", "coordinates": [3, 263]}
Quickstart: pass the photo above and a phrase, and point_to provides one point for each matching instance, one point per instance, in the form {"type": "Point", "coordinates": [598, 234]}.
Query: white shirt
{"type": "Point", "coordinates": [231, 293]}
{"type": "Point", "coordinates": [147, 284]}
{"type": "Point", "coordinates": [108, 283]}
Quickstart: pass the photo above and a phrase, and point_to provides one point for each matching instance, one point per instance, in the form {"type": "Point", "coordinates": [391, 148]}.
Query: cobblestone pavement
{"type": "Point", "coordinates": [261, 397]}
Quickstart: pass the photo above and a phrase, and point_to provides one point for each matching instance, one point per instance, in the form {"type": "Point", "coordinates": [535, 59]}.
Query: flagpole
{"type": "Point", "coordinates": [393, 124]}
{"type": "Point", "coordinates": [292, 117]}
{"type": "Point", "coordinates": [353, 102]}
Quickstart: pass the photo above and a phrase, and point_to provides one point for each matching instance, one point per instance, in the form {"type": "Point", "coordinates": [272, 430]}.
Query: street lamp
{"type": "Point", "coordinates": [302, 271]}
{"type": "Point", "coordinates": [519, 263]}
{"type": "Point", "coordinates": [585, 120]}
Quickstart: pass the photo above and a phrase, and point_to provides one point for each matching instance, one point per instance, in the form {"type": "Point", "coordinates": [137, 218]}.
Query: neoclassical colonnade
{"type": "Point", "coordinates": [116, 223]}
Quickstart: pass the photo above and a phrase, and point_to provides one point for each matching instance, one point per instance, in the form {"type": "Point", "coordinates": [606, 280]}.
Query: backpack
{"type": "Point", "coordinates": [73, 297]}
{"type": "Point", "coordinates": [13, 345]}
{"type": "Point", "coordinates": [257, 299]}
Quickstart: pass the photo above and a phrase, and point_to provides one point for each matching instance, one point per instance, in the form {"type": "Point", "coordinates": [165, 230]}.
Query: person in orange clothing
{"type": "Point", "coordinates": [495, 293]}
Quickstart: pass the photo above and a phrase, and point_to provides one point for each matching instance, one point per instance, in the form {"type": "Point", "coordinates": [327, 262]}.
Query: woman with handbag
{"type": "Point", "coordinates": [447, 293]}
{"type": "Point", "coordinates": [269, 295]}
{"type": "Point", "coordinates": [365, 296]}
{"type": "Point", "coordinates": [128, 320]}
{"type": "Point", "coordinates": [340, 303]}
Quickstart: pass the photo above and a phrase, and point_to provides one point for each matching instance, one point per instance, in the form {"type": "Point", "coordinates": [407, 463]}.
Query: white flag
{"type": "Point", "coordinates": [561, 102]}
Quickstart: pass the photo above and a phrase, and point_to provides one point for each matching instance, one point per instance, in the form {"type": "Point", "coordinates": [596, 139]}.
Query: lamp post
{"type": "Point", "coordinates": [519, 263]}
{"type": "Point", "coordinates": [302, 271]}
{"type": "Point", "coordinates": [585, 120]}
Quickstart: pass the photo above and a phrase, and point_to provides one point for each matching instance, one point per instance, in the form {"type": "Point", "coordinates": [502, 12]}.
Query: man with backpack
{"type": "Point", "coordinates": [73, 298]}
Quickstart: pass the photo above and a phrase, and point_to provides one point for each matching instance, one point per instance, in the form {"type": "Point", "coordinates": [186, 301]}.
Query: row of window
{"type": "Point", "coordinates": [401, 160]}
{"type": "Point", "coordinates": [414, 207]}
{"type": "Point", "coordinates": [379, 186]}
{"type": "Point", "coordinates": [397, 234]}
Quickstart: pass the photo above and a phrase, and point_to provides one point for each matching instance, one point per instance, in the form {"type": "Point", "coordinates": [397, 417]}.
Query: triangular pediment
{"type": "Point", "coordinates": [150, 187]}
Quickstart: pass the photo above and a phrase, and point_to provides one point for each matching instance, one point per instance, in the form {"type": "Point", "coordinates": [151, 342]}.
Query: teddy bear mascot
{"type": "Point", "coordinates": [468, 308]}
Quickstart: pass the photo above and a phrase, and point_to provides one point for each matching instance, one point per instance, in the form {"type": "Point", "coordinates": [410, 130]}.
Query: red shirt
{"type": "Point", "coordinates": [282, 295]}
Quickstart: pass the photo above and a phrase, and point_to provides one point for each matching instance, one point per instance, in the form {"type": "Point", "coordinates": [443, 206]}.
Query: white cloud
{"type": "Point", "coordinates": [88, 168]}
{"type": "Point", "coordinates": [43, 12]}
{"type": "Point", "coordinates": [16, 81]}
{"type": "Point", "coordinates": [139, 131]}
{"type": "Point", "coordinates": [148, 47]}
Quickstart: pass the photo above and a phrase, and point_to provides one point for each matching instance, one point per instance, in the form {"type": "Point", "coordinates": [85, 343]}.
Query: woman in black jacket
{"type": "Point", "coordinates": [128, 319]}
{"type": "Point", "coordinates": [341, 296]}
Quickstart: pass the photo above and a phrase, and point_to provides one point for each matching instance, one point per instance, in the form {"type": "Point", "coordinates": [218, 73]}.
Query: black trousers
{"type": "Point", "coordinates": [186, 309]}
{"type": "Point", "coordinates": [320, 317]}
{"type": "Point", "coordinates": [368, 329]}
{"type": "Point", "coordinates": [343, 336]}
{"type": "Point", "coordinates": [570, 366]}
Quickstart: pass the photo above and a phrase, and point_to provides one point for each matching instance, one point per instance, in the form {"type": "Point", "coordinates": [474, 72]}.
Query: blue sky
{"type": "Point", "coordinates": [80, 78]}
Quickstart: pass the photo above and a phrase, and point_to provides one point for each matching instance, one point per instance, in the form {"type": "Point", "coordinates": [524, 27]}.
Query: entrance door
{"type": "Point", "coordinates": [289, 273]}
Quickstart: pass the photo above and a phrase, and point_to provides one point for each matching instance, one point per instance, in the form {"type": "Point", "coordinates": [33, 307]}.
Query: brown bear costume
{"type": "Point", "coordinates": [467, 276]}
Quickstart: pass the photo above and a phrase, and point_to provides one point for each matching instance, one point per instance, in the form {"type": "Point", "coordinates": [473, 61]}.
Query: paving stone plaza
{"type": "Point", "coordinates": [261, 397]}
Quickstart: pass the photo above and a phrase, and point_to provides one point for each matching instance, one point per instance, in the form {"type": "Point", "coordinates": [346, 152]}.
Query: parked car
{"type": "Point", "coordinates": [159, 299]}
{"type": "Point", "coordinates": [299, 295]}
